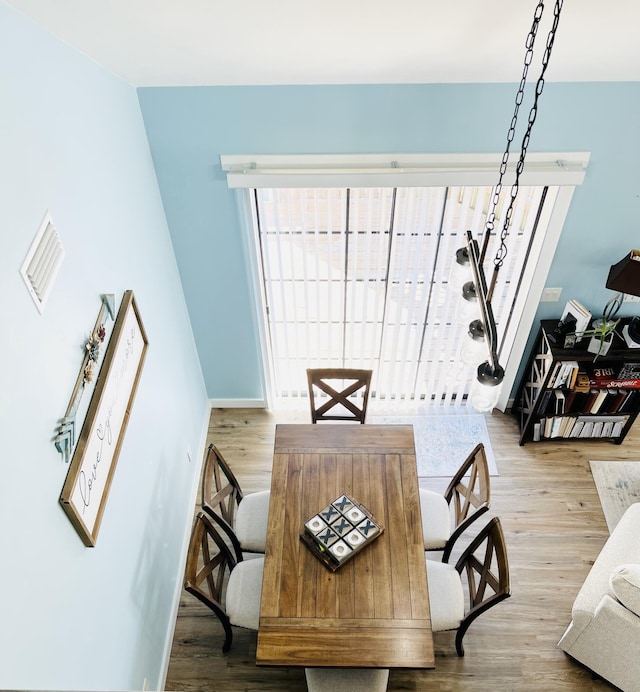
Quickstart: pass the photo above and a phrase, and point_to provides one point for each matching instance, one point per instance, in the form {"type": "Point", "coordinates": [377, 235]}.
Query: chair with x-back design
{"type": "Point", "coordinates": [350, 397]}
{"type": "Point", "coordinates": [243, 518]}
{"type": "Point", "coordinates": [486, 572]}
{"type": "Point", "coordinates": [468, 492]}
{"type": "Point", "coordinates": [231, 589]}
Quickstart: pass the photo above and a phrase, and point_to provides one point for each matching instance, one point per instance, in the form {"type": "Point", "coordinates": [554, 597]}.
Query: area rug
{"type": "Point", "coordinates": [444, 441]}
{"type": "Point", "coordinates": [618, 485]}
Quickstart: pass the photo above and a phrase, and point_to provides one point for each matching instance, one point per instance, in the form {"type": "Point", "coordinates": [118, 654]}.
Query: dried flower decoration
{"type": "Point", "coordinates": [93, 349]}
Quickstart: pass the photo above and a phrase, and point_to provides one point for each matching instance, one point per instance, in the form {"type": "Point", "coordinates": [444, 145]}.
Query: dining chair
{"type": "Point", "coordinates": [209, 559]}
{"type": "Point", "coordinates": [243, 518]}
{"type": "Point", "coordinates": [469, 492]}
{"type": "Point", "coordinates": [352, 382]}
{"type": "Point", "coordinates": [351, 679]}
{"type": "Point", "coordinates": [486, 568]}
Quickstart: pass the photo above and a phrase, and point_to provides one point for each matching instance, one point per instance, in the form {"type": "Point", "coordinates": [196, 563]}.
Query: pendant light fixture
{"type": "Point", "coordinates": [486, 387]}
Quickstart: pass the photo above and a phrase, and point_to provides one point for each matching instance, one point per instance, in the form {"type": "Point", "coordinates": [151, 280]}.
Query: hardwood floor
{"type": "Point", "coordinates": [554, 528]}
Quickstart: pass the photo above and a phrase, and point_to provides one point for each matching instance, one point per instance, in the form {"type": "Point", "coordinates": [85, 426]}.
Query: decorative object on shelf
{"type": "Point", "coordinates": [485, 389]}
{"type": "Point", "coordinates": [601, 335]}
{"type": "Point", "coordinates": [86, 488]}
{"type": "Point", "coordinates": [339, 532]}
{"type": "Point", "coordinates": [65, 438]}
{"type": "Point", "coordinates": [624, 277]}
{"type": "Point", "coordinates": [603, 330]}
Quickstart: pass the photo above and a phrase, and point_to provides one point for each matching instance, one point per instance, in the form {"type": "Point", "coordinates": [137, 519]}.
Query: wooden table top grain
{"type": "Point", "coordinates": [374, 610]}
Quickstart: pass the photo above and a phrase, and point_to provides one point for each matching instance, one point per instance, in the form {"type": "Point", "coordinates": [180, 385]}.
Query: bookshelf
{"type": "Point", "coordinates": [566, 394]}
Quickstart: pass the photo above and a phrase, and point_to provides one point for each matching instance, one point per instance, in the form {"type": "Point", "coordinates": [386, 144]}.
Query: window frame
{"type": "Point", "coordinates": [566, 170]}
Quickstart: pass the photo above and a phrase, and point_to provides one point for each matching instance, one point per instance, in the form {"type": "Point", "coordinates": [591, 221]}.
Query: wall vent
{"type": "Point", "coordinates": [42, 263]}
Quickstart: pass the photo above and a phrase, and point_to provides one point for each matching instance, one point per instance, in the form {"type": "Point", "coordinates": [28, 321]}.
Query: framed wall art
{"type": "Point", "coordinates": [86, 488]}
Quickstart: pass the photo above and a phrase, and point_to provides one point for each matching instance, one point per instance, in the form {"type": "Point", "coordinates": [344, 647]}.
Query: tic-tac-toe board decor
{"type": "Point", "coordinates": [339, 531]}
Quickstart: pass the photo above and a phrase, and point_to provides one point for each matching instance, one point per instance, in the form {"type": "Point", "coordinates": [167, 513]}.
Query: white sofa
{"type": "Point", "coordinates": [604, 633]}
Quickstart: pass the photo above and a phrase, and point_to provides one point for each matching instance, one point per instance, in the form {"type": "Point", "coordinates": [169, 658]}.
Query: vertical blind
{"type": "Point", "coordinates": [359, 278]}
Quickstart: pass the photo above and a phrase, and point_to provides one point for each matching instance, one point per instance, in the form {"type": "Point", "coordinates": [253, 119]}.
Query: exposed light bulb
{"type": "Point", "coordinates": [486, 388]}
{"type": "Point", "coordinates": [468, 307]}
{"type": "Point", "coordinates": [474, 346]}
{"type": "Point", "coordinates": [460, 270]}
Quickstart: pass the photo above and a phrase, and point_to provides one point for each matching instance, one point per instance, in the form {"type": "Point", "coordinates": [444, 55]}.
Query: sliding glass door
{"type": "Point", "coordinates": [358, 277]}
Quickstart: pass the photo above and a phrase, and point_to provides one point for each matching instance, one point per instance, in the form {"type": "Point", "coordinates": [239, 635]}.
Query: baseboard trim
{"type": "Point", "coordinates": [166, 655]}
{"type": "Point", "coordinates": [238, 403]}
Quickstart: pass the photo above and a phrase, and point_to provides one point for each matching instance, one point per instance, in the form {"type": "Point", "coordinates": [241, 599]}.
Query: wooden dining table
{"type": "Point", "coordinates": [373, 611]}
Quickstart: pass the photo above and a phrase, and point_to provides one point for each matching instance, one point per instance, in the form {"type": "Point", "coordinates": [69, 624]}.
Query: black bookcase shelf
{"type": "Point", "coordinates": [554, 401]}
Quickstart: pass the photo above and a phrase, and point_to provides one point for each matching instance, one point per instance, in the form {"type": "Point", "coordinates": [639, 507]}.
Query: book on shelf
{"type": "Point", "coordinates": [590, 400]}
{"type": "Point", "coordinates": [569, 400]}
{"type": "Point", "coordinates": [567, 425]}
{"type": "Point", "coordinates": [579, 426]}
{"type": "Point", "coordinates": [555, 426]}
{"type": "Point", "coordinates": [587, 429]}
{"type": "Point", "coordinates": [617, 428]}
{"type": "Point", "coordinates": [621, 395]}
{"type": "Point", "coordinates": [544, 401]}
{"type": "Point", "coordinates": [598, 401]}
{"type": "Point", "coordinates": [578, 403]}
{"type": "Point", "coordinates": [553, 375]}
{"type": "Point", "coordinates": [559, 401]}
{"type": "Point", "coordinates": [537, 431]}
{"type": "Point", "coordinates": [574, 309]}
{"type": "Point", "coordinates": [607, 429]}
{"type": "Point", "coordinates": [611, 399]}
{"type": "Point", "coordinates": [630, 402]}
{"type": "Point", "coordinates": [566, 375]}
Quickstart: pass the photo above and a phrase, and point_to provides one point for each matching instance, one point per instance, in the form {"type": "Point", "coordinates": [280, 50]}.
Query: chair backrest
{"type": "Point", "coordinates": [352, 382]}
{"type": "Point", "coordinates": [208, 559]}
{"type": "Point", "coordinates": [469, 492]}
{"type": "Point", "coordinates": [486, 566]}
{"type": "Point", "coordinates": [221, 495]}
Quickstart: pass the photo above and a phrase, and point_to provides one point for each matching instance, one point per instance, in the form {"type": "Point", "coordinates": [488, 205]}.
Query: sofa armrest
{"type": "Point", "coordinates": [609, 644]}
{"type": "Point", "coordinates": [621, 547]}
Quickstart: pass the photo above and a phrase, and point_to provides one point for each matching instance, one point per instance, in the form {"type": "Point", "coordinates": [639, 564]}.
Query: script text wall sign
{"type": "Point", "coordinates": [86, 488]}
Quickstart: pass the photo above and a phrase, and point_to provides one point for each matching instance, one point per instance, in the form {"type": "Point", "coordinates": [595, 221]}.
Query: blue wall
{"type": "Point", "coordinates": [188, 129]}
{"type": "Point", "coordinates": [73, 142]}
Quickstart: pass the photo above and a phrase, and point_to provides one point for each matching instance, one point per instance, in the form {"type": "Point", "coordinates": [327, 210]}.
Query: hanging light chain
{"type": "Point", "coordinates": [502, 249]}
{"type": "Point", "coordinates": [528, 57]}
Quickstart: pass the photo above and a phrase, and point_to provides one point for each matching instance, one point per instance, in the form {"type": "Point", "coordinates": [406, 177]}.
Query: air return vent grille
{"type": "Point", "coordinates": [43, 262]}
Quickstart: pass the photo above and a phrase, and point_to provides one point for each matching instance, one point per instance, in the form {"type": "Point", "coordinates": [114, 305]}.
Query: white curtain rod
{"type": "Point", "coordinates": [563, 168]}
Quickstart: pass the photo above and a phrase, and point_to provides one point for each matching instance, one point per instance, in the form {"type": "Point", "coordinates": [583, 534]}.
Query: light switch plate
{"type": "Point", "coordinates": [550, 295]}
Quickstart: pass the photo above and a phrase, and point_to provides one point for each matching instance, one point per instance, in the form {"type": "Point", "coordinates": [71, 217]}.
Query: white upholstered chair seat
{"type": "Point", "coordinates": [436, 519]}
{"type": "Point", "coordinates": [242, 602]}
{"type": "Point", "coordinates": [347, 679]}
{"type": "Point", "coordinates": [446, 596]}
{"type": "Point", "coordinates": [251, 521]}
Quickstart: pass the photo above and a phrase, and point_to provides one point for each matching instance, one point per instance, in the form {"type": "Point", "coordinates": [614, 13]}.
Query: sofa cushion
{"type": "Point", "coordinates": [625, 586]}
{"type": "Point", "coordinates": [622, 547]}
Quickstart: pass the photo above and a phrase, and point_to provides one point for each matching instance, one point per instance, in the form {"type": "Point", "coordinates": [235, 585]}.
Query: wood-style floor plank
{"type": "Point", "coordinates": [554, 528]}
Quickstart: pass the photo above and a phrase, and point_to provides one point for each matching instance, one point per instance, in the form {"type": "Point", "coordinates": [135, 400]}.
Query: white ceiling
{"type": "Point", "coordinates": [251, 42]}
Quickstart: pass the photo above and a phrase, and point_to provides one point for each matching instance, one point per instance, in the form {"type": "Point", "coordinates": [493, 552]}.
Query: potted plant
{"type": "Point", "coordinates": [602, 333]}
